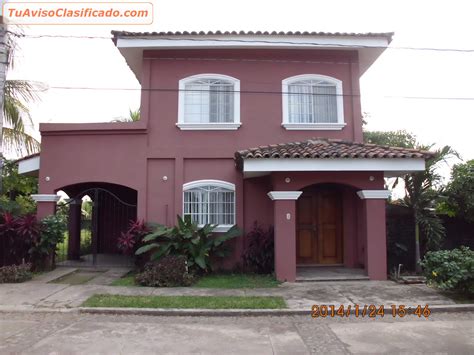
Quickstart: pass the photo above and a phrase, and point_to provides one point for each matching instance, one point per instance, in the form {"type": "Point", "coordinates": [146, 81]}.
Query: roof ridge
{"type": "Point", "coordinates": [116, 33]}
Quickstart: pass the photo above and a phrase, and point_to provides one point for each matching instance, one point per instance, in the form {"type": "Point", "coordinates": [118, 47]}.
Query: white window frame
{"type": "Point", "coordinates": [209, 125]}
{"type": "Point", "coordinates": [217, 183]}
{"type": "Point", "coordinates": [340, 124]}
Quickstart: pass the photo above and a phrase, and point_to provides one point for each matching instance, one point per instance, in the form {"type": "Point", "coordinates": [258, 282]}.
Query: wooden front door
{"type": "Point", "coordinates": [319, 226]}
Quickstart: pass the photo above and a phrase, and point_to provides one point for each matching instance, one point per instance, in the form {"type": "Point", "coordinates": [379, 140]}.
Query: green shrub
{"type": "Point", "coordinates": [451, 270]}
{"type": "Point", "coordinates": [15, 273]}
{"type": "Point", "coordinates": [196, 244]}
{"type": "Point", "coordinates": [169, 271]}
{"type": "Point", "coordinates": [44, 246]}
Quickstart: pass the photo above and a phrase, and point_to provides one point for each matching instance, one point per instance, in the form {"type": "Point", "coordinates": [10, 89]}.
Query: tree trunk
{"type": "Point", "coordinates": [417, 248]}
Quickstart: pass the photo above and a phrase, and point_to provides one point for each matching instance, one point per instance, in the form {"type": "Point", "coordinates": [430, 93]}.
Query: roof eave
{"type": "Point", "coordinates": [131, 46]}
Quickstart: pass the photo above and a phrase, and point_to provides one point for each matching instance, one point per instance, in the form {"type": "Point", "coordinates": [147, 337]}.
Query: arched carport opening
{"type": "Point", "coordinates": [92, 238]}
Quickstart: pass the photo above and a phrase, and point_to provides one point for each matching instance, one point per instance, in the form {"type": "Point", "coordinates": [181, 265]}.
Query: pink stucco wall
{"type": "Point", "coordinates": [156, 158]}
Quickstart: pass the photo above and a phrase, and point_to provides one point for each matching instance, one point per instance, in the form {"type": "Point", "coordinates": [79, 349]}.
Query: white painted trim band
{"type": "Point", "coordinates": [284, 195]}
{"type": "Point", "coordinates": [373, 194]}
{"type": "Point", "coordinates": [313, 126]}
{"type": "Point", "coordinates": [199, 183]}
{"type": "Point", "coordinates": [337, 164]}
{"type": "Point", "coordinates": [45, 198]}
{"type": "Point", "coordinates": [253, 41]}
{"type": "Point", "coordinates": [208, 126]}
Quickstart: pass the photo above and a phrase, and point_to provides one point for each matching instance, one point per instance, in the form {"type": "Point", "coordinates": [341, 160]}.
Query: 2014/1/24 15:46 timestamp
{"type": "Point", "coordinates": [371, 311]}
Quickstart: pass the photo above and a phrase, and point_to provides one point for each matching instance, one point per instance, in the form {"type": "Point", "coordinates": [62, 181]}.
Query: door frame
{"type": "Point", "coordinates": [313, 190]}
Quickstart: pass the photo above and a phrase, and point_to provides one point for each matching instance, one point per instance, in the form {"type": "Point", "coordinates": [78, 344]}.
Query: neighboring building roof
{"type": "Point", "coordinates": [27, 157]}
{"type": "Point", "coordinates": [322, 148]}
{"type": "Point", "coordinates": [387, 35]}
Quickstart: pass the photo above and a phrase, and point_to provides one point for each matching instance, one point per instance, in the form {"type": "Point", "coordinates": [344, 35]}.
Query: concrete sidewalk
{"type": "Point", "coordinates": [39, 294]}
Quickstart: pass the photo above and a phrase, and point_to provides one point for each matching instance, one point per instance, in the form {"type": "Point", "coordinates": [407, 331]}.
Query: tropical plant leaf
{"type": "Point", "coordinates": [160, 232]}
{"type": "Point", "coordinates": [200, 261]}
{"type": "Point", "coordinates": [19, 142]}
{"type": "Point", "coordinates": [146, 248]}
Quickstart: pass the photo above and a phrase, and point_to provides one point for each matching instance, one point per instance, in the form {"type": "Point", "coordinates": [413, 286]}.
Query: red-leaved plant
{"type": "Point", "coordinates": [130, 241]}
{"type": "Point", "coordinates": [18, 234]}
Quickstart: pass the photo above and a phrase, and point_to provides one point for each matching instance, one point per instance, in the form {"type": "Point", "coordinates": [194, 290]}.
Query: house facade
{"type": "Point", "coordinates": [238, 128]}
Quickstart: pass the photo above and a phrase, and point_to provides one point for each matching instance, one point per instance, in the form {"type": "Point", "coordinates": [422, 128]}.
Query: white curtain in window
{"type": "Point", "coordinates": [209, 100]}
{"type": "Point", "coordinates": [312, 101]}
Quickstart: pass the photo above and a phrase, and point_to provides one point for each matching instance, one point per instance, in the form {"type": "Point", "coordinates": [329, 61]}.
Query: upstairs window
{"type": "Point", "coordinates": [209, 101]}
{"type": "Point", "coordinates": [312, 102]}
{"type": "Point", "coordinates": [210, 202]}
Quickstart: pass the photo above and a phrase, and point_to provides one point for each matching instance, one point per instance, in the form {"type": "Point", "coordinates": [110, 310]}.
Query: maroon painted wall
{"type": "Point", "coordinates": [156, 158]}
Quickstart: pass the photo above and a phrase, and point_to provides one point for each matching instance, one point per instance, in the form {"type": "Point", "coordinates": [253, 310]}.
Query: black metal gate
{"type": "Point", "coordinates": [94, 226]}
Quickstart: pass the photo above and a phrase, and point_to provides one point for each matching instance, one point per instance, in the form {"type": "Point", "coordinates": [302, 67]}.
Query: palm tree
{"type": "Point", "coordinates": [133, 116]}
{"type": "Point", "coordinates": [17, 94]}
{"type": "Point", "coordinates": [421, 187]}
{"type": "Point", "coordinates": [421, 197]}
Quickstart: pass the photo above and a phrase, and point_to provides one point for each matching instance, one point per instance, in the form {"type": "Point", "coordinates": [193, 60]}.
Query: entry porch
{"type": "Point", "coordinates": [328, 201]}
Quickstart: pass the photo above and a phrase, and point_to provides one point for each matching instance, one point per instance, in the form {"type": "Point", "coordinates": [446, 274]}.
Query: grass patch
{"type": "Point", "coordinates": [237, 281]}
{"type": "Point", "coordinates": [226, 281]}
{"type": "Point", "coordinates": [77, 277]}
{"type": "Point", "coordinates": [127, 280]}
{"type": "Point", "coordinates": [202, 302]}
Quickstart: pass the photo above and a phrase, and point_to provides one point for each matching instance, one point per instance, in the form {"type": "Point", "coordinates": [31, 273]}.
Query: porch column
{"type": "Point", "coordinates": [74, 228]}
{"type": "Point", "coordinates": [46, 204]}
{"type": "Point", "coordinates": [284, 209]}
{"type": "Point", "coordinates": [376, 238]}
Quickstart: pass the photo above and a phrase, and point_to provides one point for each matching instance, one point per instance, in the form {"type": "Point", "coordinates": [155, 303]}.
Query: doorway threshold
{"type": "Point", "coordinates": [329, 273]}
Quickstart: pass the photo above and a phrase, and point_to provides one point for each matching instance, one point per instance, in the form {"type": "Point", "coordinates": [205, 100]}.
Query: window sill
{"type": "Point", "coordinates": [220, 228]}
{"type": "Point", "coordinates": [208, 126]}
{"type": "Point", "coordinates": [314, 126]}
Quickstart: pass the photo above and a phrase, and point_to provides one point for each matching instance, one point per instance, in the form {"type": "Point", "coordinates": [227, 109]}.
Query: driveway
{"type": "Point", "coordinates": [72, 333]}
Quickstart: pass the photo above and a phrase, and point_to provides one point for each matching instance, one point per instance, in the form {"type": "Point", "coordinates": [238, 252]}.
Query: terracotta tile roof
{"type": "Point", "coordinates": [322, 148]}
{"type": "Point", "coordinates": [116, 34]}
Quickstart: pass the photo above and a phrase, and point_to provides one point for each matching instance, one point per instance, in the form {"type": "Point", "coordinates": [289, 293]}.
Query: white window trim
{"type": "Point", "coordinates": [209, 125]}
{"type": "Point", "coordinates": [218, 183]}
{"type": "Point", "coordinates": [340, 124]}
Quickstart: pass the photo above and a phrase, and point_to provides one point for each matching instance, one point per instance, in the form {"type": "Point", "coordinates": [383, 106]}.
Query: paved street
{"type": "Point", "coordinates": [69, 333]}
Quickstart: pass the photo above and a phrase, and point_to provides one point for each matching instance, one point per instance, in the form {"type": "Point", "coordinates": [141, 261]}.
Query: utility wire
{"type": "Point", "coordinates": [316, 44]}
{"type": "Point", "coordinates": [252, 92]}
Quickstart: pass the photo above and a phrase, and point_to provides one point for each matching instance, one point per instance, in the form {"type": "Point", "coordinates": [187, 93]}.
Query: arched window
{"type": "Point", "coordinates": [312, 102]}
{"type": "Point", "coordinates": [209, 101]}
{"type": "Point", "coordinates": [210, 202]}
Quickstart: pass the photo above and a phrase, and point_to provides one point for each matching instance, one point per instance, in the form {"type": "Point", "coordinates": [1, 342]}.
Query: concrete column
{"type": "Point", "coordinates": [46, 204]}
{"type": "Point", "coordinates": [74, 228]}
{"type": "Point", "coordinates": [285, 233]}
{"type": "Point", "coordinates": [376, 238]}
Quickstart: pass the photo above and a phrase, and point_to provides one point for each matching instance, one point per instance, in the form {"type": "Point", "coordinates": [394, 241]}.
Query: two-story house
{"type": "Point", "coordinates": [238, 127]}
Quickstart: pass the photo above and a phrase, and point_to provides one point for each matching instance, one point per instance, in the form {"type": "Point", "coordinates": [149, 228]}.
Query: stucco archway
{"type": "Point", "coordinates": [95, 232]}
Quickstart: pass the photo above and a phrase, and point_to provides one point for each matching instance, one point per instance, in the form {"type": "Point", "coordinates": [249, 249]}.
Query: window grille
{"type": "Point", "coordinates": [210, 204]}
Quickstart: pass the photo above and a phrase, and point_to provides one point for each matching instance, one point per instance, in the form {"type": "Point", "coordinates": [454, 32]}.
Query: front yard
{"type": "Point", "coordinates": [229, 281]}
